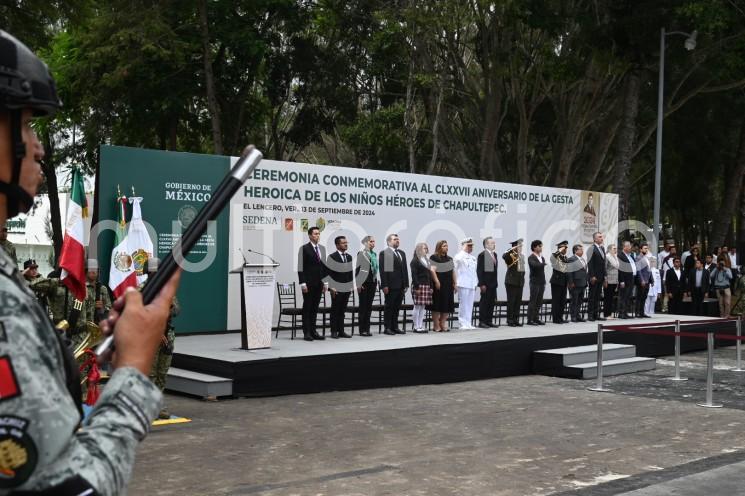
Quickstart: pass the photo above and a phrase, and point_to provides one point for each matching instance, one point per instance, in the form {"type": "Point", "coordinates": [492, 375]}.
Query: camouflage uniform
{"type": "Point", "coordinates": [40, 445]}
{"type": "Point", "coordinates": [90, 300]}
{"type": "Point", "coordinates": [61, 302]}
{"type": "Point", "coordinates": [10, 249]}
{"type": "Point", "coordinates": [164, 355]}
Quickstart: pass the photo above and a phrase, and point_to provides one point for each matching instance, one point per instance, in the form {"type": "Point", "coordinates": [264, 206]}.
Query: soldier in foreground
{"type": "Point", "coordinates": [42, 450]}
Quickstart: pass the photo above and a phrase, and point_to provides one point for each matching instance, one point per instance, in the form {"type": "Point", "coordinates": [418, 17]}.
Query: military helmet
{"type": "Point", "coordinates": [25, 81]}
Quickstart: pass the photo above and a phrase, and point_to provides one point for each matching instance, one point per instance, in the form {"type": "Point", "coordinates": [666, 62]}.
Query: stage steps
{"type": "Point", "coordinates": [580, 362]}
{"type": "Point", "coordinates": [197, 384]}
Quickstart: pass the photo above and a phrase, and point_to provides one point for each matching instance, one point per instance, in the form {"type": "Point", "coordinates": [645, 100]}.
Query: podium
{"type": "Point", "coordinates": [257, 304]}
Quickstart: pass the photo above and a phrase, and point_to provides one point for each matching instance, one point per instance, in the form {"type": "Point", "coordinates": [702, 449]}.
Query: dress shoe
{"type": "Point", "coordinates": [399, 331]}
{"type": "Point", "coordinates": [647, 316]}
{"type": "Point", "coordinates": [574, 321]}
{"type": "Point", "coordinates": [532, 323]}
{"type": "Point", "coordinates": [623, 316]}
{"type": "Point", "coordinates": [420, 331]}
{"type": "Point", "coordinates": [540, 322]}
{"type": "Point", "coordinates": [580, 319]}
{"type": "Point", "coordinates": [344, 335]}
{"type": "Point", "coordinates": [334, 335]}
{"type": "Point", "coordinates": [307, 338]}
{"type": "Point", "coordinates": [558, 322]}
{"type": "Point", "coordinates": [366, 334]}
{"type": "Point", "coordinates": [483, 326]}
{"type": "Point", "coordinates": [389, 332]}
{"type": "Point", "coordinates": [518, 324]}
{"type": "Point", "coordinates": [602, 319]}
{"type": "Point", "coordinates": [590, 320]}
{"type": "Point", "coordinates": [317, 336]}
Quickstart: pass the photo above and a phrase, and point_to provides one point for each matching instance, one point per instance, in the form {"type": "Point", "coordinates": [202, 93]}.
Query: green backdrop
{"type": "Point", "coordinates": [173, 186]}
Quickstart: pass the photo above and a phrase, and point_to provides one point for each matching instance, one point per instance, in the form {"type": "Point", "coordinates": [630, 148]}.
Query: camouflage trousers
{"type": "Point", "coordinates": [162, 362]}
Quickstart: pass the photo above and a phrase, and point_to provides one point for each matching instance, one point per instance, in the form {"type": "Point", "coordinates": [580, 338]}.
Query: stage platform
{"type": "Point", "coordinates": [298, 366]}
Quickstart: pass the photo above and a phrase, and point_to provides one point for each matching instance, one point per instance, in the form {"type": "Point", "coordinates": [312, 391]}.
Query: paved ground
{"type": "Point", "coordinates": [520, 436]}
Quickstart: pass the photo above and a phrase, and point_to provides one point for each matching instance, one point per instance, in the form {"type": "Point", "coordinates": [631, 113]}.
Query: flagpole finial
{"type": "Point", "coordinates": [118, 192]}
{"type": "Point", "coordinates": [133, 191]}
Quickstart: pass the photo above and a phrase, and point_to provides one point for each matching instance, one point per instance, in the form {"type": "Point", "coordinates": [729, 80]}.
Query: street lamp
{"type": "Point", "coordinates": [690, 44]}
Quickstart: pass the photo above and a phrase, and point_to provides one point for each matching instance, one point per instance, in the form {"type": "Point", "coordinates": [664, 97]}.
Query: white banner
{"type": "Point", "coordinates": [273, 211]}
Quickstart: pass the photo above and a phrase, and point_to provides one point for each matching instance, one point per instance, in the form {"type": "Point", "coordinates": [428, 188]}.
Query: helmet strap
{"type": "Point", "coordinates": [18, 200]}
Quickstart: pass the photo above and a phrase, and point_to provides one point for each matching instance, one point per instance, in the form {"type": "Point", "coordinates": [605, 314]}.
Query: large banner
{"type": "Point", "coordinates": [269, 217]}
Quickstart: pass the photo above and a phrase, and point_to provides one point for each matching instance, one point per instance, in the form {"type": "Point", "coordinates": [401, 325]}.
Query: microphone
{"type": "Point", "coordinates": [245, 262]}
{"type": "Point", "coordinates": [263, 255]}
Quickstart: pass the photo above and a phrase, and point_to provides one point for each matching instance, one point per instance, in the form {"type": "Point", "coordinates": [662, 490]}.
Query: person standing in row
{"type": "Point", "coordinates": [394, 279]}
{"type": "Point", "coordinates": [537, 282]}
{"type": "Point", "coordinates": [698, 286]}
{"type": "Point", "coordinates": [443, 301]}
{"type": "Point", "coordinates": [559, 283]}
{"type": "Point", "coordinates": [6, 245]}
{"type": "Point", "coordinates": [626, 279]}
{"type": "Point", "coordinates": [97, 300]}
{"type": "Point", "coordinates": [611, 281]}
{"type": "Point", "coordinates": [596, 276]}
{"type": "Point", "coordinates": [367, 282]}
{"type": "Point", "coordinates": [675, 286]}
{"type": "Point", "coordinates": [340, 269]}
{"type": "Point", "coordinates": [644, 279]}
{"type": "Point", "coordinates": [514, 280]}
{"type": "Point", "coordinates": [721, 280]}
{"type": "Point", "coordinates": [577, 282]}
{"type": "Point", "coordinates": [487, 273]}
{"type": "Point", "coordinates": [421, 285]}
{"type": "Point", "coordinates": [311, 274]}
{"type": "Point", "coordinates": [467, 280]}
{"type": "Point", "coordinates": [655, 288]}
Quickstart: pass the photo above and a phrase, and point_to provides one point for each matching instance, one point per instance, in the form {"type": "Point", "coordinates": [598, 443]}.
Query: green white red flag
{"type": "Point", "coordinates": [72, 257]}
{"type": "Point", "coordinates": [122, 273]}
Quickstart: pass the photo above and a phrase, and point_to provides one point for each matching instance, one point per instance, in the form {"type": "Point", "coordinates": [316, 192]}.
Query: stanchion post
{"type": "Point", "coordinates": [599, 387]}
{"type": "Point", "coordinates": [677, 354]}
{"type": "Point", "coordinates": [710, 373]}
{"type": "Point", "coordinates": [738, 346]}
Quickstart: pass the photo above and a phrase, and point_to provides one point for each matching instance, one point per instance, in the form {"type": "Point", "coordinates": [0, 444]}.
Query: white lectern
{"type": "Point", "coordinates": [257, 304]}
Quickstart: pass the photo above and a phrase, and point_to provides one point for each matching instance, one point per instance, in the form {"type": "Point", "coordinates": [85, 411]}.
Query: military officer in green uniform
{"type": "Point", "coordinates": [514, 280]}
{"type": "Point", "coordinates": [9, 247]}
{"type": "Point", "coordinates": [43, 448]}
{"type": "Point", "coordinates": [97, 300]}
{"type": "Point", "coordinates": [164, 353]}
{"type": "Point", "coordinates": [62, 305]}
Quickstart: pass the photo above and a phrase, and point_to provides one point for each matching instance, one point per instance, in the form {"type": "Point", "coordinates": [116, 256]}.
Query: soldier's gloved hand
{"type": "Point", "coordinates": [138, 329]}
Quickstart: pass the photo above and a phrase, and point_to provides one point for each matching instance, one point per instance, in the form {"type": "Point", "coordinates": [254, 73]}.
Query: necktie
{"type": "Point", "coordinates": [397, 254]}
{"type": "Point", "coordinates": [493, 258]}
{"type": "Point", "coordinates": [318, 254]}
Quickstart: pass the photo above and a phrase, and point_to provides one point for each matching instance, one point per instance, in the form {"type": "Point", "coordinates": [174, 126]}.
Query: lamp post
{"type": "Point", "coordinates": [690, 44]}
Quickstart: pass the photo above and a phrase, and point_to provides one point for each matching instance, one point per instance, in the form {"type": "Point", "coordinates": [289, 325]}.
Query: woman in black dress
{"type": "Point", "coordinates": [443, 301]}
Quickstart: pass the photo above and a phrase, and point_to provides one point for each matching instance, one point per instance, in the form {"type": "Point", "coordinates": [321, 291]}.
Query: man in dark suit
{"type": "Point", "coordinates": [675, 286]}
{"type": "Point", "coordinates": [626, 279]}
{"type": "Point", "coordinates": [339, 266]}
{"type": "Point", "coordinates": [644, 280]}
{"type": "Point", "coordinates": [394, 280]}
{"type": "Point", "coordinates": [577, 282]}
{"type": "Point", "coordinates": [559, 283]}
{"type": "Point", "coordinates": [367, 282]}
{"type": "Point", "coordinates": [698, 286]}
{"type": "Point", "coordinates": [596, 276]}
{"type": "Point", "coordinates": [537, 281]}
{"type": "Point", "coordinates": [311, 271]}
{"type": "Point", "coordinates": [486, 271]}
{"type": "Point", "coordinates": [514, 280]}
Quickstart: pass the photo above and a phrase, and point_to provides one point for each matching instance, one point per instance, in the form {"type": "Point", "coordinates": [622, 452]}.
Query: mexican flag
{"type": "Point", "coordinates": [122, 272]}
{"type": "Point", "coordinates": [72, 257]}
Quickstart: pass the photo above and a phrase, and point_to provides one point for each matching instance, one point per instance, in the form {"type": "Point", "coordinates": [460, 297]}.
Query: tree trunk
{"type": "Point", "coordinates": [436, 130]}
{"type": "Point", "coordinates": [626, 138]}
{"type": "Point", "coordinates": [48, 166]}
{"type": "Point", "coordinates": [741, 230]}
{"type": "Point", "coordinates": [733, 187]}
{"type": "Point", "coordinates": [209, 79]}
{"type": "Point", "coordinates": [409, 124]}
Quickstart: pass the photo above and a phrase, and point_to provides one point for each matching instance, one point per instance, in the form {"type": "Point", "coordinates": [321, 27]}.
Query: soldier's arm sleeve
{"type": "Point", "coordinates": [44, 285]}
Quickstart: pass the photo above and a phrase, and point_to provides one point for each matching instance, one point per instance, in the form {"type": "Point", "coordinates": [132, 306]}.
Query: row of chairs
{"type": "Point", "coordinates": [290, 313]}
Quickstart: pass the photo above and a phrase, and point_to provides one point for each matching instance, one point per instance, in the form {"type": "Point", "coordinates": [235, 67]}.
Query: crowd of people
{"type": "Point", "coordinates": [627, 284]}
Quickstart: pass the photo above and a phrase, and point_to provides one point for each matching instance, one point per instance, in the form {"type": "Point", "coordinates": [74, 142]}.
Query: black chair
{"type": "Point", "coordinates": [288, 310]}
